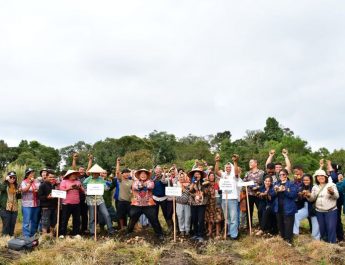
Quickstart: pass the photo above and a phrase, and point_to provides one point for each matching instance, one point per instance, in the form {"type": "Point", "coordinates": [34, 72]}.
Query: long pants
{"type": "Point", "coordinates": [328, 225]}
{"type": "Point", "coordinates": [340, 230]}
{"type": "Point", "coordinates": [102, 210]}
{"type": "Point", "coordinates": [66, 212]}
{"type": "Point", "coordinates": [112, 215]}
{"type": "Point", "coordinates": [303, 213]}
{"type": "Point", "coordinates": [183, 213]}
{"type": "Point", "coordinates": [285, 226]}
{"type": "Point", "coordinates": [164, 206]}
{"type": "Point", "coordinates": [254, 200]}
{"type": "Point", "coordinates": [198, 219]}
{"type": "Point", "coordinates": [149, 212]}
{"type": "Point", "coordinates": [232, 217]}
{"type": "Point", "coordinates": [9, 219]}
{"type": "Point", "coordinates": [31, 218]}
{"type": "Point", "coordinates": [170, 209]}
{"type": "Point", "coordinates": [84, 218]}
{"type": "Point", "coordinates": [268, 220]}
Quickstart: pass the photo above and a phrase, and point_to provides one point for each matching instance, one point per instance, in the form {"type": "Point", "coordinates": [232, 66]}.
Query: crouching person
{"type": "Point", "coordinates": [9, 195]}
{"type": "Point", "coordinates": [91, 200]}
{"type": "Point", "coordinates": [143, 203]}
{"type": "Point", "coordinates": [48, 203]}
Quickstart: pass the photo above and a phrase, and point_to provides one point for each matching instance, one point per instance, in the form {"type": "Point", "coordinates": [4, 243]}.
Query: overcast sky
{"type": "Point", "coordinates": [87, 70]}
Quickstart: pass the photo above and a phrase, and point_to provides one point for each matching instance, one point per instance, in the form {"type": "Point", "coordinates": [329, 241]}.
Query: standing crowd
{"type": "Point", "coordinates": [283, 197]}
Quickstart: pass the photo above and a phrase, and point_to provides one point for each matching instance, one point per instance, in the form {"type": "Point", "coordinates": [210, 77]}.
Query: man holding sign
{"type": "Point", "coordinates": [95, 200]}
{"type": "Point", "coordinates": [228, 185]}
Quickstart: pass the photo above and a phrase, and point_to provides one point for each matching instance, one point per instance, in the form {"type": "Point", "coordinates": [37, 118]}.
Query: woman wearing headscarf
{"type": "Point", "coordinates": [9, 195]}
{"type": "Point", "coordinates": [284, 195]}
{"type": "Point", "coordinates": [325, 195]}
{"type": "Point", "coordinates": [231, 173]}
{"type": "Point", "coordinates": [30, 203]}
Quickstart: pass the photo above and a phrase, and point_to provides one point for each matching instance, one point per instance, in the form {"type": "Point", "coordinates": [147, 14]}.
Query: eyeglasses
{"type": "Point", "coordinates": [12, 177]}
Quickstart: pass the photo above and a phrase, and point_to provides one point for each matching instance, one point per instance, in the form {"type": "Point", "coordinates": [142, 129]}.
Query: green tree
{"type": "Point", "coordinates": [138, 159]}
{"type": "Point", "coordinates": [163, 147]}
{"type": "Point", "coordinates": [272, 130]}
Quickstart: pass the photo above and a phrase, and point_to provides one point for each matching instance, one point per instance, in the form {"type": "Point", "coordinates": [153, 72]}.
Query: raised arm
{"type": "Point", "coordinates": [216, 166]}
{"type": "Point", "coordinates": [118, 172]}
{"type": "Point", "coordinates": [322, 163]}
{"type": "Point", "coordinates": [270, 157]}
{"type": "Point", "coordinates": [235, 158]}
{"type": "Point", "coordinates": [89, 164]}
{"type": "Point", "coordinates": [74, 161]}
{"type": "Point", "coordinates": [287, 160]}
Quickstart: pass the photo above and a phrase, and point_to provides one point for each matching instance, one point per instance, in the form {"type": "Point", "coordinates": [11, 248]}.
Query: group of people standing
{"type": "Point", "coordinates": [202, 210]}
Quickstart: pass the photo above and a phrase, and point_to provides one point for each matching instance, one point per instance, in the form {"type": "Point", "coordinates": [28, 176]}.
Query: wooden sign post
{"type": "Point", "coordinates": [246, 184]}
{"type": "Point", "coordinates": [174, 191]}
{"type": "Point", "coordinates": [96, 190]}
{"type": "Point", "coordinates": [60, 194]}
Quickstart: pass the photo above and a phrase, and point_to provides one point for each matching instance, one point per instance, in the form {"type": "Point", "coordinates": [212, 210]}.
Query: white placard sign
{"type": "Point", "coordinates": [226, 184]}
{"type": "Point", "coordinates": [173, 191]}
{"type": "Point", "coordinates": [95, 189]}
{"type": "Point", "coordinates": [246, 184]}
{"type": "Point", "coordinates": [59, 194]}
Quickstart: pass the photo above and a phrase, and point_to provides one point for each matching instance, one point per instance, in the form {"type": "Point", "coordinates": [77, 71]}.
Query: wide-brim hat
{"type": "Point", "coordinates": [320, 172]}
{"type": "Point", "coordinates": [137, 173]}
{"type": "Point", "coordinates": [96, 169]}
{"type": "Point", "coordinates": [192, 172]}
{"type": "Point", "coordinates": [70, 172]}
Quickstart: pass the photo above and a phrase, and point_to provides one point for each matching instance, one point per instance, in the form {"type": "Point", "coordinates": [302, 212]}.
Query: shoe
{"type": "Point", "coordinates": [259, 233]}
{"type": "Point", "coordinates": [200, 239]}
{"type": "Point", "coordinates": [77, 237]}
{"type": "Point", "coordinates": [234, 238]}
{"type": "Point", "coordinates": [194, 237]}
{"type": "Point", "coordinates": [186, 233]}
{"type": "Point", "coordinates": [183, 234]}
{"type": "Point", "coordinates": [61, 237]}
{"type": "Point", "coordinates": [112, 232]}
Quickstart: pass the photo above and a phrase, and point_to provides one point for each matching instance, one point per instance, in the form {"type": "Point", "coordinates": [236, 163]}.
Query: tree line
{"type": "Point", "coordinates": [164, 148]}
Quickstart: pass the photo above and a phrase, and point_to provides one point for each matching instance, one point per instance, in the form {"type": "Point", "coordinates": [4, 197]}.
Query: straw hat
{"type": "Point", "coordinates": [148, 173]}
{"type": "Point", "coordinates": [192, 172]}
{"type": "Point", "coordinates": [96, 169]}
{"type": "Point", "coordinates": [70, 172]}
{"type": "Point", "coordinates": [320, 172]}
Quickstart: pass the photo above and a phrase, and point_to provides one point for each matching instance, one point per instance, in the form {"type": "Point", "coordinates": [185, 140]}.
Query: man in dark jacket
{"type": "Point", "coordinates": [48, 203]}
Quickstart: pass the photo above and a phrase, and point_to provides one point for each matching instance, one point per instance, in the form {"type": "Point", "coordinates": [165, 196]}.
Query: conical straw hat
{"type": "Point", "coordinates": [96, 169]}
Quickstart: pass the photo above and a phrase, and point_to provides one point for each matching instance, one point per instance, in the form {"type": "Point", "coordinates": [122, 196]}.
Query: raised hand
{"type": "Point", "coordinates": [75, 156]}
{"type": "Point", "coordinates": [285, 152]}
{"type": "Point", "coordinates": [90, 156]}
{"type": "Point", "coordinates": [217, 158]}
{"type": "Point", "coordinates": [235, 158]}
{"type": "Point", "coordinates": [272, 152]}
{"type": "Point", "coordinates": [322, 163]}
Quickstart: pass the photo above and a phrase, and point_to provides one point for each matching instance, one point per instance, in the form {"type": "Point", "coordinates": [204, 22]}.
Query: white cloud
{"type": "Point", "coordinates": [83, 70]}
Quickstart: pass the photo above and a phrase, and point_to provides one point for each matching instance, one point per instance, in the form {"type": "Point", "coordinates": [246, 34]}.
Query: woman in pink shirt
{"type": "Point", "coordinates": [70, 205]}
